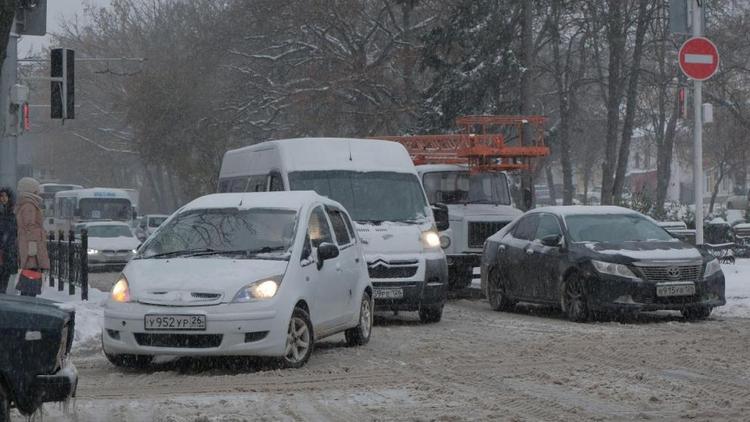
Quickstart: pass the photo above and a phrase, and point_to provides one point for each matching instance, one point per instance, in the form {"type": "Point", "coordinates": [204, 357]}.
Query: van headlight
{"type": "Point", "coordinates": [431, 239]}
{"type": "Point", "coordinates": [259, 290]}
{"type": "Point", "coordinates": [121, 290]}
{"type": "Point", "coordinates": [712, 267]}
{"type": "Point", "coordinates": [610, 268]}
{"type": "Point", "coordinates": [90, 251]}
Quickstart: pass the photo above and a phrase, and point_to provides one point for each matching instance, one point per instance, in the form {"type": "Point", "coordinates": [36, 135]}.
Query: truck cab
{"type": "Point", "coordinates": [479, 204]}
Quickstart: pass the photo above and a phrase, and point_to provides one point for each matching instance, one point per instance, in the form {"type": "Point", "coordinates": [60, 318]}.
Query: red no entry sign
{"type": "Point", "coordinates": [699, 58]}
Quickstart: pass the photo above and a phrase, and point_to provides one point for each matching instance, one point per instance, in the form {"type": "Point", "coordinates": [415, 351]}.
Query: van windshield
{"type": "Point", "coordinates": [105, 209]}
{"type": "Point", "coordinates": [368, 196]}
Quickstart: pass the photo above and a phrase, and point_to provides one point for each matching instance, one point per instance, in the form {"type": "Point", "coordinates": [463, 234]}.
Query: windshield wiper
{"type": "Point", "coordinates": [187, 252]}
{"type": "Point", "coordinates": [265, 249]}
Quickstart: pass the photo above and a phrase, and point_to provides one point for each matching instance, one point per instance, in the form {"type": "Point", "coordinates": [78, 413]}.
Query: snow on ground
{"type": "Point", "coordinates": [89, 316]}
{"type": "Point", "coordinates": [737, 289]}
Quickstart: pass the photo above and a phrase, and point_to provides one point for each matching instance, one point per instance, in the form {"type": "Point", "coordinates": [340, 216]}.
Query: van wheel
{"type": "Point", "coordinates": [4, 403]}
{"type": "Point", "coordinates": [360, 335]}
{"type": "Point", "coordinates": [430, 314]}
{"type": "Point", "coordinates": [130, 361]}
{"type": "Point", "coordinates": [299, 340]}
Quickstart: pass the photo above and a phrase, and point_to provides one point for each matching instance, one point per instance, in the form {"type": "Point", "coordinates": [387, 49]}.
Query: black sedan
{"type": "Point", "coordinates": [595, 260]}
{"type": "Point", "coordinates": [35, 339]}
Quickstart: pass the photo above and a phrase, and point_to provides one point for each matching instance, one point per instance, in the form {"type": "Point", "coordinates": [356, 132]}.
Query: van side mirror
{"type": "Point", "coordinates": [552, 240]}
{"type": "Point", "coordinates": [442, 219]}
{"type": "Point", "coordinates": [326, 251]}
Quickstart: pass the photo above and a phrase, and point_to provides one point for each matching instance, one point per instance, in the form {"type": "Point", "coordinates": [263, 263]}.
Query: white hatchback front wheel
{"type": "Point", "coordinates": [299, 340]}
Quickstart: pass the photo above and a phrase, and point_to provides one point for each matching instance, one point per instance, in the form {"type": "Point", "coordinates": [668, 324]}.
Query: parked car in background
{"type": "Point", "coordinates": [679, 230]}
{"type": "Point", "coordinates": [738, 201]}
{"type": "Point", "coordinates": [111, 244]}
{"type": "Point", "coordinates": [36, 337]}
{"type": "Point", "coordinates": [261, 274]}
{"type": "Point", "coordinates": [148, 224]}
{"type": "Point", "coordinates": [590, 260]}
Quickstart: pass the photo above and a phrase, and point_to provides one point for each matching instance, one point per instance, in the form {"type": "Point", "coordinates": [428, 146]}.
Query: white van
{"type": "Point", "coordinates": [47, 191]}
{"type": "Point", "coordinates": [95, 204]}
{"type": "Point", "coordinates": [378, 185]}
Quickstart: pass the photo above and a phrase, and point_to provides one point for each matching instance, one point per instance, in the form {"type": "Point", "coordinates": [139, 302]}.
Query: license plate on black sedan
{"type": "Point", "coordinates": [157, 322]}
{"type": "Point", "coordinates": [675, 289]}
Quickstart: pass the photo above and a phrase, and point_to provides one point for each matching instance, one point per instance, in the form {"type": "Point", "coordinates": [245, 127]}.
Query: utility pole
{"type": "Point", "coordinates": [698, 132]}
{"type": "Point", "coordinates": [8, 134]}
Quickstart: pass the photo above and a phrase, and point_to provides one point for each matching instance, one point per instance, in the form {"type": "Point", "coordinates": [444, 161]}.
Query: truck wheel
{"type": "Point", "coordinates": [130, 361]}
{"type": "Point", "coordinates": [430, 314]}
{"type": "Point", "coordinates": [4, 403]}
{"type": "Point", "coordinates": [360, 335]}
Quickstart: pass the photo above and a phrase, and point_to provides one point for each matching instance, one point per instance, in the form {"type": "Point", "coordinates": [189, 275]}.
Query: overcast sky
{"type": "Point", "coordinates": [56, 11]}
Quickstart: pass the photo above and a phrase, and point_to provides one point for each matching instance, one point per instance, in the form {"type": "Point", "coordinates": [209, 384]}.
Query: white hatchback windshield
{"type": "Point", "coordinates": [257, 233]}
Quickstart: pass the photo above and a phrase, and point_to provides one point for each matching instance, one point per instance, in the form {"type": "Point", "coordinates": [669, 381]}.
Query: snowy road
{"type": "Point", "coordinates": [474, 365]}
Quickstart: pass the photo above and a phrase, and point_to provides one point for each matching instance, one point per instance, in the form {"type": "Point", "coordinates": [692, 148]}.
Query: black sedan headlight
{"type": "Point", "coordinates": [611, 268]}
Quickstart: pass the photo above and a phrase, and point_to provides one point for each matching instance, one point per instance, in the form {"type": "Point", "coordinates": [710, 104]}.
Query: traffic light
{"type": "Point", "coordinates": [62, 87]}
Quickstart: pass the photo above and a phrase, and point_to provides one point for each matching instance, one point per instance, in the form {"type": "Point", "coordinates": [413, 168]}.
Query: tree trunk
{"type": "Point", "coordinates": [527, 89]}
{"type": "Point", "coordinates": [550, 184]}
{"type": "Point", "coordinates": [716, 188]}
{"type": "Point", "coordinates": [631, 100]}
{"type": "Point", "coordinates": [664, 152]}
{"type": "Point", "coordinates": [616, 40]}
{"type": "Point", "coordinates": [7, 13]}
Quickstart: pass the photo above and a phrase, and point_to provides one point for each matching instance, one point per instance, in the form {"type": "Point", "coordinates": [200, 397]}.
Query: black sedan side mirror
{"type": "Point", "coordinates": [326, 251]}
{"type": "Point", "coordinates": [552, 240]}
{"type": "Point", "coordinates": [442, 220]}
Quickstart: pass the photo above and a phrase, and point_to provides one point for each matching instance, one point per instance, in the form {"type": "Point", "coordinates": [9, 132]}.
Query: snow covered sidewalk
{"type": "Point", "coordinates": [89, 315]}
{"type": "Point", "coordinates": [737, 289]}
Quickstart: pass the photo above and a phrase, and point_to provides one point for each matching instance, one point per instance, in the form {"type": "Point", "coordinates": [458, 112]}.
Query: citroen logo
{"type": "Point", "coordinates": [673, 272]}
{"type": "Point", "coordinates": [378, 263]}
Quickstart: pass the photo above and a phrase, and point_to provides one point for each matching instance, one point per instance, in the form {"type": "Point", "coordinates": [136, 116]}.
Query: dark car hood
{"type": "Point", "coordinates": [21, 311]}
{"type": "Point", "coordinates": [642, 251]}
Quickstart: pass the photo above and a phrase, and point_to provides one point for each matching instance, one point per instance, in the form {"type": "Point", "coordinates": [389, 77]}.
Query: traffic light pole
{"type": "Point", "coordinates": [8, 138]}
{"type": "Point", "coordinates": [698, 134]}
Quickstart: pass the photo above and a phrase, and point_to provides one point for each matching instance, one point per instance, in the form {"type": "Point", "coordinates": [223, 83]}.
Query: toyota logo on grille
{"type": "Point", "coordinates": [673, 272]}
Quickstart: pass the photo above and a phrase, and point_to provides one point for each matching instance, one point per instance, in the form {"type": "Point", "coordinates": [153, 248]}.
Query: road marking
{"type": "Point", "coordinates": [699, 58]}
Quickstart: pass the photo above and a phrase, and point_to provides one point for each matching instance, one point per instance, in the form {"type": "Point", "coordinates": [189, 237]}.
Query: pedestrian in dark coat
{"type": "Point", "coordinates": [8, 235]}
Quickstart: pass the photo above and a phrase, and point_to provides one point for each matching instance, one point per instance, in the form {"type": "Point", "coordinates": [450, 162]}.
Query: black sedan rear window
{"type": "Point", "coordinates": [613, 228]}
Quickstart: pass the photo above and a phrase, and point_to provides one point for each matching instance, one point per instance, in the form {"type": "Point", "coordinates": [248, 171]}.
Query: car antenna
{"type": "Point", "coordinates": [349, 144]}
{"type": "Point", "coordinates": [240, 204]}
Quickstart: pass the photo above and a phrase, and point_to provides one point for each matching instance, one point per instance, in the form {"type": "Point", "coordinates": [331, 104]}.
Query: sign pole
{"type": "Point", "coordinates": [698, 134]}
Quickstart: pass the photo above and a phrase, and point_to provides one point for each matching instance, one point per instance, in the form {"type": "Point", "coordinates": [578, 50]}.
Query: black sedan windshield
{"type": "Point", "coordinates": [248, 233]}
{"type": "Point", "coordinates": [613, 228]}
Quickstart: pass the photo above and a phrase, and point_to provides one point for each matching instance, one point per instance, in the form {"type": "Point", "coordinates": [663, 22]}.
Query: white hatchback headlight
{"type": "Point", "coordinates": [610, 268]}
{"type": "Point", "coordinates": [121, 290]}
{"type": "Point", "coordinates": [712, 267]}
{"type": "Point", "coordinates": [259, 290]}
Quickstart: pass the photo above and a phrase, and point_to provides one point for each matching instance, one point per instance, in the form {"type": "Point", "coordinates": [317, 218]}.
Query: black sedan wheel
{"type": "Point", "coordinates": [574, 301]}
{"type": "Point", "coordinates": [4, 403]}
{"type": "Point", "coordinates": [696, 314]}
{"type": "Point", "coordinates": [496, 292]}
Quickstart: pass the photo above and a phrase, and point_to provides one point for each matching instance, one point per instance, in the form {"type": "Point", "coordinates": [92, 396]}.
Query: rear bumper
{"type": "Point", "coordinates": [611, 293]}
{"type": "Point", "coordinates": [430, 292]}
{"type": "Point", "coordinates": [59, 386]}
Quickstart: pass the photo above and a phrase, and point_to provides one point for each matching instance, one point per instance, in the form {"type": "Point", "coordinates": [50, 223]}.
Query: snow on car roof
{"type": "Point", "coordinates": [566, 210]}
{"type": "Point", "coordinates": [288, 199]}
{"type": "Point", "coordinates": [102, 223]}
{"type": "Point", "coordinates": [426, 168]}
{"type": "Point", "coordinates": [307, 154]}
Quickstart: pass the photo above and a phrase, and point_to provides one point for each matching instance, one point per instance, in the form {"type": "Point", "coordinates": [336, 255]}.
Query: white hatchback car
{"type": "Point", "coordinates": [259, 274]}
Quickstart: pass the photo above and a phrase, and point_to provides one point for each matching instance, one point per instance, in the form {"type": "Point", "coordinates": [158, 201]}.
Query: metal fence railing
{"type": "Point", "coordinates": [69, 262]}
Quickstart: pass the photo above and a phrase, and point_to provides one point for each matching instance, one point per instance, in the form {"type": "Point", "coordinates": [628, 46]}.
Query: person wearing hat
{"type": "Point", "coordinates": [8, 235]}
{"type": "Point", "coordinates": [32, 238]}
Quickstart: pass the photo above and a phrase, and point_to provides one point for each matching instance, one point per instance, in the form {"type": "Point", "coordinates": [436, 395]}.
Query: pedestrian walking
{"type": "Point", "coordinates": [8, 237]}
{"type": "Point", "coordinates": [32, 238]}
